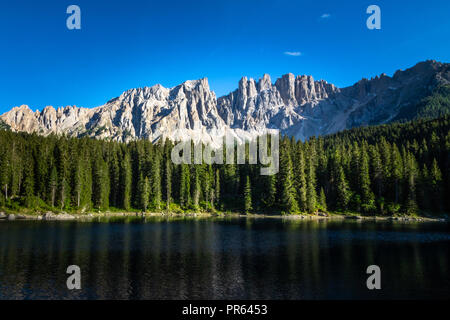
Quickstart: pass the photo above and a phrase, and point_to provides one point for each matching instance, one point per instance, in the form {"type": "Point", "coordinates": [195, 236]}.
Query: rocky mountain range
{"type": "Point", "coordinates": [299, 106]}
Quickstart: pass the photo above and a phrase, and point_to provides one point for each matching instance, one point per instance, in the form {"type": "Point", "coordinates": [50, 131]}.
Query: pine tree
{"type": "Point", "coordinates": [114, 174]}
{"type": "Point", "coordinates": [411, 172]}
{"type": "Point", "coordinates": [144, 192]}
{"type": "Point", "coordinates": [125, 182]}
{"type": "Point", "coordinates": [322, 200]}
{"type": "Point", "coordinates": [185, 186]}
{"type": "Point", "coordinates": [156, 183]}
{"type": "Point", "coordinates": [396, 173]}
{"type": "Point", "coordinates": [300, 180]}
{"type": "Point", "coordinates": [377, 170]}
{"type": "Point", "coordinates": [53, 185]}
{"type": "Point", "coordinates": [354, 172]}
{"type": "Point", "coordinates": [423, 194]}
{"type": "Point", "coordinates": [100, 183]}
{"type": "Point", "coordinates": [367, 197]}
{"type": "Point", "coordinates": [28, 187]}
{"type": "Point", "coordinates": [311, 195]}
{"type": "Point", "coordinates": [4, 176]}
{"type": "Point", "coordinates": [196, 190]}
{"type": "Point", "coordinates": [86, 186]}
{"type": "Point", "coordinates": [78, 181]}
{"type": "Point", "coordinates": [436, 186]}
{"type": "Point", "coordinates": [16, 169]}
{"type": "Point", "coordinates": [217, 189]}
{"type": "Point", "coordinates": [288, 202]}
{"type": "Point", "coordinates": [168, 179]}
{"type": "Point", "coordinates": [385, 155]}
{"type": "Point", "coordinates": [41, 168]}
{"type": "Point", "coordinates": [247, 196]}
{"type": "Point", "coordinates": [269, 192]}
{"type": "Point", "coordinates": [343, 192]}
{"type": "Point", "coordinates": [62, 163]}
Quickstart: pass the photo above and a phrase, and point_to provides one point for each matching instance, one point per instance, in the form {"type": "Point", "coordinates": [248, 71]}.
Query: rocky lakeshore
{"type": "Point", "coordinates": [50, 216]}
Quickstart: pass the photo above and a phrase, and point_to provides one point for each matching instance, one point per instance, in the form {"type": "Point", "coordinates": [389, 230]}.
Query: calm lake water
{"type": "Point", "coordinates": [224, 259]}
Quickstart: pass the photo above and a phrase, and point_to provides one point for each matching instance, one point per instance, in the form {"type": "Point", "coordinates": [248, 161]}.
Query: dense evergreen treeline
{"type": "Point", "coordinates": [434, 105]}
{"type": "Point", "coordinates": [398, 168]}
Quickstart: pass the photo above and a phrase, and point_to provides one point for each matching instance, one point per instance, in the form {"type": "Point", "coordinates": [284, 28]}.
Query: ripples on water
{"type": "Point", "coordinates": [223, 259]}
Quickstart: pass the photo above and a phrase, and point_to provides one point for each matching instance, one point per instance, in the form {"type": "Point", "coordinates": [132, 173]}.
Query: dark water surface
{"type": "Point", "coordinates": [224, 259]}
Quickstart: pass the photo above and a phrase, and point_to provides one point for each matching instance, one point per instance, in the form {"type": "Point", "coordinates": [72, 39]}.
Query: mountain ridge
{"type": "Point", "coordinates": [298, 106]}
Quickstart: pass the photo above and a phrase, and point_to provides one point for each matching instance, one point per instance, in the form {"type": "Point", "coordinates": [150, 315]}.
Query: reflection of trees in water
{"type": "Point", "coordinates": [207, 259]}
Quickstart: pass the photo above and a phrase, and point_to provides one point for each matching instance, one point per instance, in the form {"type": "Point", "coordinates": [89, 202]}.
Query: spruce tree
{"type": "Point", "coordinates": [28, 187]}
{"type": "Point", "coordinates": [53, 183]}
{"type": "Point", "coordinates": [62, 163]}
{"type": "Point", "coordinates": [4, 176]}
{"type": "Point", "coordinates": [125, 182]}
{"type": "Point", "coordinates": [196, 187]}
{"type": "Point", "coordinates": [377, 170]}
{"type": "Point", "coordinates": [247, 196]}
{"type": "Point", "coordinates": [78, 182]}
{"type": "Point", "coordinates": [168, 180]}
{"type": "Point", "coordinates": [288, 194]}
{"type": "Point", "coordinates": [269, 192]}
{"type": "Point", "coordinates": [322, 200]}
{"type": "Point", "coordinates": [100, 182]}
{"type": "Point", "coordinates": [217, 189]}
{"type": "Point", "coordinates": [156, 182]}
{"type": "Point", "coordinates": [185, 186]}
{"type": "Point", "coordinates": [343, 192]}
{"type": "Point", "coordinates": [300, 180]}
{"type": "Point", "coordinates": [86, 187]}
{"type": "Point", "coordinates": [367, 197]}
{"type": "Point", "coordinates": [114, 174]}
{"type": "Point", "coordinates": [311, 195]}
{"type": "Point", "coordinates": [423, 194]}
{"type": "Point", "coordinates": [396, 173]}
{"type": "Point", "coordinates": [411, 172]}
{"type": "Point", "coordinates": [144, 192]}
{"type": "Point", "coordinates": [435, 182]}
{"type": "Point", "coordinates": [16, 169]}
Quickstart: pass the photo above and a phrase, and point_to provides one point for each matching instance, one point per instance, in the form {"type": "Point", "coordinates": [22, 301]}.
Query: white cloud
{"type": "Point", "coordinates": [325, 16]}
{"type": "Point", "coordinates": [293, 54]}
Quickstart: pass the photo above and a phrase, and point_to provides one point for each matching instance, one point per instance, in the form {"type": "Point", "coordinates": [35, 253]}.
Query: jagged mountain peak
{"type": "Point", "coordinates": [299, 106]}
{"type": "Point", "coordinates": [22, 107]}
{"type": "Point", "coordinates": [191, 84]}
{"type": "Point", "coordinates": [146, 91]}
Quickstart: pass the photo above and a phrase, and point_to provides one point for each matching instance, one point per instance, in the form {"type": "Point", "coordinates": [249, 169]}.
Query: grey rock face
{"type": "Point", "coordinates": [52, 216]}
{"type": "Point", "coordinates": [299, 106]}
{"type": "Point", "coordinates": [282, 105]}
{"type": "Point", "coordinates": [302, 107]}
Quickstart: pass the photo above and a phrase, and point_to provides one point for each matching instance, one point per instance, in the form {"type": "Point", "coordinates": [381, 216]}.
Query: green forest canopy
{"type": "Point", "coordinates": [383, 170]}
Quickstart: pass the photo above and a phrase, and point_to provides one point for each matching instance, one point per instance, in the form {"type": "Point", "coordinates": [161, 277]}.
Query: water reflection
{"type": "Point", "coordinates": [223, 259]}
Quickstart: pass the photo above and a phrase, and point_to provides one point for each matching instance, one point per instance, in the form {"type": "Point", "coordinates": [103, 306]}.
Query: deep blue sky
{"type": "Point", "coordinates": [132, 43]}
